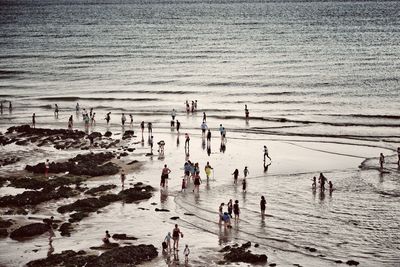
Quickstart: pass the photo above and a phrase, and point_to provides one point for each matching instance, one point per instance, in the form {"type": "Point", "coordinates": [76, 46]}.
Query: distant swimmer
{"type": "Point", "coordinates": [266, 153]}
{"type": "Point", "coordinates": [263, 203]}
{"type": "Point", "coordinates": [235, 176]}
{"type": "Point", "coordinates": [33, 120]}
{"type": "Point", "coordinates": [123, 119]}
{"type": "Point", "coordinates": [381, 160]}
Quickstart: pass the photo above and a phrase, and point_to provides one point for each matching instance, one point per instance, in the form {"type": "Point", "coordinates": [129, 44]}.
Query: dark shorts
{"type": "Point", "coordinates": [203, 130]}
{"type": "Point", "coordinates": [187, 173]}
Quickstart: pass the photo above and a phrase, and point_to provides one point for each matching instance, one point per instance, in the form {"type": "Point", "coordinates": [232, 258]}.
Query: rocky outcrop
{"type": "Point", "coordinates": [120, 256]}
{"type": "Point", "coordinates": [136, 193]}
{"type": "Point", "coordinates": [37, 197]}
{"type": "Point", "coordinates": [83, 165]}
{"type": "Point", "coordinates": [123, 237]}
{"type": "Point", "coordinates": [128, 134]}
{"type": "Point", "coordinates": [29, 230]}
{"type": "Point", "coordinates": [240, 254]}
{"type": "Point", "coordinates": [101, 188]}
{"type": "Point", "coordinates": [83, 205]}
{"type": "Point", "coordinates": [65, 229]}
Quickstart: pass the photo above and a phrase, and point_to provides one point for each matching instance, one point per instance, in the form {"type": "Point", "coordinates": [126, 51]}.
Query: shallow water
{"type": "Point", "coordinates": [320, 80]}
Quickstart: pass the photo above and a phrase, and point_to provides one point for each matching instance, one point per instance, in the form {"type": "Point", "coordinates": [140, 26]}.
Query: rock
{"type": "Point", "coordinates": [37, 197]}
{"type": "Point", "coordinates": [256, 245]}
{"type": "Point", "coordinates": [5, 223]}
{"type": "Point", "coordinates": [106, 246]}
{"type": "Point", "coordinates": [8, 161]}
{"type": "Point", "coordinates": [127, 134]}
{"type": "Point", "coordinates": [125, 256]}
{"type": "Point", "coordinates": [65, 258]}
{"type": "Point", "coordinates": [3, 233]}
{"type": "Point", "coordinates": [352, 262]}
{"type": "Point", "coordinates": [100, 188]}
{"type": "Point", "coordinates": [89, 164]}
{"type": "Point", "coordinates": [241, 255]}
{"type": "Point", "coordinates": [161, 210]}
{"type": "Point", "coordinates": [83, 205]}
{"type": "Point", "coordinates": [137, 193]}
{"type": "Point", "coordinates": [29, 230]}
{"type": "Point", "coordinates": [110, 198]}
{"type": "Point", "coordinates": [16, 211]}
{"type": "Point", "coordinates": [28, 183]}
{"type": "Point", "coordinates": [225, 249]}
{"type": "Point", "coordinates": [174, 218]}
{"type": "Point", "coordinates": [108, 134]}
{"type": "Point", "coordinates": [123, 154]}
{"type": "Point", "coordinates": [272, 264]}
{"type": "Point", "coordinates": [123, 237]}
{"type": "Point", "coordinates": [188, 214]}
{"type": "Point", "coordinates": [246, 245]}
{"type": "Point", "coordinates": [131, 150]}
{"type": "Point", "coordinates": [78, 216]}
{"type": "Point", "coordinates": [65, 229]}
{"type": "Point", "coordinates": [338, 261]}
{"type": "Point", "coordinates": [95, 135]}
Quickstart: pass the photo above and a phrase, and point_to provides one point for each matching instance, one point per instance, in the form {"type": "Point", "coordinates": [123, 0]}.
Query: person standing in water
{"type": "Point", "coordinates": [167, 240]}
{"type": "Point", "coordinates": [236, 210]}
{"type": "Point", "coordinates": [55, 111]}
{"type": "Point", "coordinates": [246, 112]}
{"type": "Point", "coordinates": [187, 140]}
{"type": "Point", "coordinates": [150, 128]}
{"type": "Point", "coordinates": [266, 153]}
{"type": "Point", "coordinates": [176, 233]}
{"type": "Point", "coordinates": [230, 207]}
{"type": "Point", "coordinates": [178, 125]}
{"type": "Point", "coordinates": [108, 118]}
{"type": "Point", "coordinates": [70, 122]}
{"type": "Point", "coordinates": [106, 239]}
{"type": "Point", "coordinates": [142, 126]}
{"type": "Point", "coordinates": [245, 172]}
{"type": "Point", "coordinates": [197, 182]}
{"type": "Point", "coordinates": [164, 176]}
{"type": "Point", "coordinates": [221, 212]}
{"type": "Point", "coordinates": [235, 176]}
{"type": "Point", "coordinates": [208, 138]}
{"type": "Point", "coordinates": [314, 184]}
{"type": "Point", "coordinates": [77, 107]}
{"type": "Point", "coordinates": [204, 117]}
{"type": "Point", "coordinates": [208, 169]}
{"type": "Point", "coordinates": [123, 119]}
{"type": "Point", "coordinates": [263, 203]}
{"type": "Point", "coordinates": [123, 177]}
{"type": "Point", "coordinates": [173, 114]}
{"type": "Point", "coordinates": [131, 117]}
{"type": "Point", "coordinates": [322, 180]}
{"type": "Point", "coordinates": [33, 120]}
{"type": "Point", "coordinates": [381, 160]}
{"type": "Point", "coordinates": [186, 252]}
{"type": "Point", "coordinates": [244, 184]}
{"type": "Point", "coordinates": [203, 127]}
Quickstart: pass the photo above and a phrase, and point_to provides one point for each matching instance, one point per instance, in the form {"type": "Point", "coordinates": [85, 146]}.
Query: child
{"type": "Point", "coordinates": [183, 185]}
{"type": "Point", "coordinates": [186, 252]}
{"type": "Point", "coordinates": [106, 239]}
{"type": "Point", "coordinates": [244, 184]}
{"type": "Point", "coordinates": [314, 184]}
{"type": "Point", "coordinates": [236, 210]}
{"type": "Point", "coordinates": [167, 241]}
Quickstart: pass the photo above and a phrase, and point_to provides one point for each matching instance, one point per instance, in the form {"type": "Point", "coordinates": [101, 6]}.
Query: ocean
{"type": "Point", "coordinates": [307, 70]}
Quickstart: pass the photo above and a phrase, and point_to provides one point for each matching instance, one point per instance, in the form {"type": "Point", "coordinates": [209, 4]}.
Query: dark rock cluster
{"type": "Point", "coordinates": [241, 254]}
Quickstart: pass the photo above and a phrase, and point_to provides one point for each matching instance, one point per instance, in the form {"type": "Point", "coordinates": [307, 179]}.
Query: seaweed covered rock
{"type": "Point", "coordinates": [65, 258]}
{"type": "Point", "coordinates": [240, 254]}
{"type": "Point", "coordinates": [100, 188]}
{"type": "Point", "coordinates": [136, 193]}
{"type": "Point", "coordinates": [29, 230]}
{"type": "Point", "coordinates": [89, 164]}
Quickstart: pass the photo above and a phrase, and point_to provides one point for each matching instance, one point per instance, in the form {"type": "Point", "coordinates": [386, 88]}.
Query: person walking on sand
{"type": "Point", "coordinates": [208, 137]}
{"type": "Point", "coordinates": [204, 117]}
{"type": "Point", "coordinates": [131, 118]}
{"type": "Point", "coordinates": [263, 203]}
{"type": "Point", "coordinates": [176, 233]}
{"type": "Point", "coordinates": [235, 176]}
{"type": "Point", "coordinates": [33, 120]}
{"type": "Point", "coordinates": [245, 172]}
{"type": "Point", "coordinates": [150, 128]}
{"type": "Point", "coordinates": [187, 140]}
{"type": "Point", "coordinates": [123, 177]}
{"type": "Point", "coordinates": [236, 210]}
{"type": "Point", "coordinates": [186, 252]}
{"type": "Point", "coordinates": [123, 119]}
{"type": "Point", "coordinates": [266, 153]}
{"type": "Point", "coordinates": [151, 144]}
{"type": "Point", "coordinates": [167, 241]}
{"type": "Point", "coordinates": [70, 122]}
{"type": "Point", "coordinates": [92, 119]}
{"type": "Point", "coordinates": [221, 130]}
{"type": "Point", "coordinates": [142, 126]}
{"type": "Point", "coordinates": [55, 110]}
{"type": "Point", "coordinates": [381, 160]}
{"type": "Point", "coordinates": [46, 167]}
{"type": "Point", "coordinates": [208, 169]}
{"type": "Point", "coordinates": [164, 176]}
